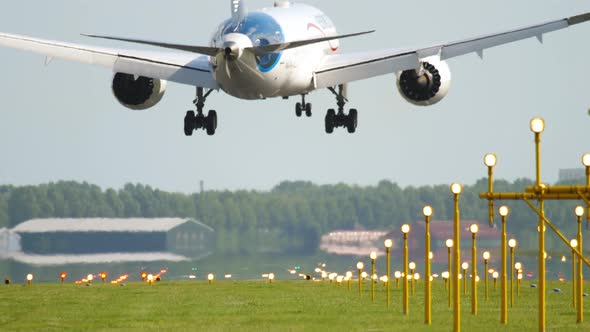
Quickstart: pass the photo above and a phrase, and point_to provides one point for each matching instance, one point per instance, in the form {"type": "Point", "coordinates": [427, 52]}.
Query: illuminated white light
{"type": "Point", "coordinates": [388, 243]}
{"type": "Point", "coordinates": [427, 211]}
{"type": "Point", "coordinates": [456, 188]}
{"type": "Point", "coordinates": [405, 228]}
{"type": "Point", "coordinates": [373, 255]}
{"type": "Point", "coordinates": [486, 255]}
{"type": "Point", "coordinates": [490, 160]}
{"type": "Point", "coordinates": [465, 266]}
{"type": "Point", "coordinates": [360, 265]}
{"type": "Point", "coordinates": [504, 211]}
{"type": "Point", "coordinates": [29, 277]}
{"type": "Point", "coordinates": [412, 265]}
{"type": "Point", "coordinates": [397, 274]}
{"type": "Point", "coordinates": [537, 125]}
{"type": "Point", "coordinates": [586, 160]}
{"type": "Point", "coordinates": [449, 243]}
{"type": "Point", "coordinates": [474, 228]}
{"type": "Point", "coordinates": [512, 243]}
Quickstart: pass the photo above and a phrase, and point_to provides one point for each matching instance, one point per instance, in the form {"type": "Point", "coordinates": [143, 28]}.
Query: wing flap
{"type": "Point", "coordinates": [339, 69]}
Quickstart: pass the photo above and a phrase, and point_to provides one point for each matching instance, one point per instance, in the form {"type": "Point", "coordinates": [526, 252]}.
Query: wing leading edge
{"type": "Point", "coordinates": [343, 68]}
{"type": "Point", "coordinates": [184, 68]}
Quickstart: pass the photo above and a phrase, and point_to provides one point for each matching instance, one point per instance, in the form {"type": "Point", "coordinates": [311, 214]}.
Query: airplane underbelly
{"type": "Point", "coordinates": [246, 82]}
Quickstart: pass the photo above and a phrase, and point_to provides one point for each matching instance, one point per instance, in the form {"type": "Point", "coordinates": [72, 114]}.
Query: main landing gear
{"type": "Point", "coordinates": [335, 120]}
{"type": "Point", "coordinates": [303, 107]}
{"type": "Point", "coordinates": [195, 121]}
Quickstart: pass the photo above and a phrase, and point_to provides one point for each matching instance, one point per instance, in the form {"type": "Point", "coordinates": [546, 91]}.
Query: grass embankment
{"type": "Point", "coordinates": [259, 306]}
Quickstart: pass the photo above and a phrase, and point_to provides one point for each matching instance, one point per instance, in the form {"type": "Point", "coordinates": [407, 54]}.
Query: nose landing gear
{"type": "Point", "coordinates": [303, 106]}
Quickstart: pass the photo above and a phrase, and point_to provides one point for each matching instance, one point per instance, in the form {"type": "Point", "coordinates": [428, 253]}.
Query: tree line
{"type": "Point", "coordinates": [290, 217]}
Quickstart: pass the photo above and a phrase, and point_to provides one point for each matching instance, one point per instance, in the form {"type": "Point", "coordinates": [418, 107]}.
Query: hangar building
{"type": "Point", "coordinates": [179, 236]}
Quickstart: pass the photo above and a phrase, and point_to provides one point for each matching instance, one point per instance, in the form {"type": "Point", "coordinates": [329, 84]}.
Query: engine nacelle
{"type": "Point", "coordinates": [426, 86]}
{"type": "Point", "coordinates": [138, 93]}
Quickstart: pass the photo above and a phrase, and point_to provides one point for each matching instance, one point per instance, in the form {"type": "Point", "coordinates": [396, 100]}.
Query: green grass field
{"type": "Point", "coordinates": [259, 306]}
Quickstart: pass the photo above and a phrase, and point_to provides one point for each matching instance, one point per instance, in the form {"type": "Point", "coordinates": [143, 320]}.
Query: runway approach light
{"type": "Point", "coordinates": [143, 275]}
{"type": "Point", "coordinates": [63, 276]}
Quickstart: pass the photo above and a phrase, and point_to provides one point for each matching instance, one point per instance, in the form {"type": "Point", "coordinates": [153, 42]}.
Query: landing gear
{"type": "Point", "coordinates": [197, 120]}
{"type": "Point", "coordinates": [335, 120]}
{"type": "Point", "coordinates": [303, 107]}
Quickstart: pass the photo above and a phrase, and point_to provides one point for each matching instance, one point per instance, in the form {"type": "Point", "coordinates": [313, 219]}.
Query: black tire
{"type": "Point", "coordinates": [330, 121]}
{"type": "Point", "coordinates": [352, 121]}
{"type": "Point", "coordinates": [298, 109]}
{"type": "Point", "coordinates": [211, 123]}
{"type": "Point", "coordinates": [308, 110]}
{"type": "Point", "coordinates": [189, 123]}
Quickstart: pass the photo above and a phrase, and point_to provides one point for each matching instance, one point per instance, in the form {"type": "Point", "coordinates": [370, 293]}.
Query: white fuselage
{"type": "Point", "coordinates": [286, 73]}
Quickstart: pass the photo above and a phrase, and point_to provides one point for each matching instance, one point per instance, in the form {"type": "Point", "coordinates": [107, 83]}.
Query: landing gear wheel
{"type": "Point", "coordinates": [352, 121]}
{"type": "Point", "coordinates": [330, 117]}
{"type": "Point", "coordinates": [308, 110]}
{"type": "Point", "coordinates": [211, 123]}
{"type": "Point", "coordinates": [189, 123]}
{"type": "Point", "coordinates": [298, 109]}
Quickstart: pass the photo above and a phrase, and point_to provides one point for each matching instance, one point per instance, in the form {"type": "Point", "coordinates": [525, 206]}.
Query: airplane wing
{"type": "Point", "coordinates": [343, 68]}
{"type": "Point", "coordinates": [184, 68]}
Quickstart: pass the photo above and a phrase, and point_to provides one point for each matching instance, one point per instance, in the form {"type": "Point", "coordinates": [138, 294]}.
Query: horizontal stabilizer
{"type": "Point", "coordinates": [211, 51]}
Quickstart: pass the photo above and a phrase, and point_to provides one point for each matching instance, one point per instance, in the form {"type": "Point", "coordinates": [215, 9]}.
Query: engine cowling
{"type": "Point", "coordinates": [138, 92]}
{"type": "Point", "coordinates": [426, 86]}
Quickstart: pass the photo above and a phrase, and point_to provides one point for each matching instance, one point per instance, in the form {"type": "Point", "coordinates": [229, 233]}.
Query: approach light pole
{"type": "Point", "coordinates": [486, 258]}
{"type": "Point", "coordinates": [504, 211]}
{"type": "Point", "coordinates": [388, 244]}
{"type": "Point", "coordinates": [474, 229]}
{"type": "Point", "coordinates": [456, 189]}
{"type": "Point", "coordinates": [579, 211]}
{"type": "Point", "coordinates": [360, 266]}
{"type": "Point", "coordinates": [512, 244]}
{"type": "Point", "coordinates": [449, 244]}
{"type": "Point", "coordinates": [373, 257]}
{"type": "Point", "coordinates": [406, 303]}
{"type": "Point", "coordinates": [427, 211]}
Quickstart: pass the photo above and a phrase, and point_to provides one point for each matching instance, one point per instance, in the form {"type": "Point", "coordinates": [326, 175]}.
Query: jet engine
{"type": "Point", "coordinates": [426, 86]}
{"type": "Point", "coordinates": [138, 92]}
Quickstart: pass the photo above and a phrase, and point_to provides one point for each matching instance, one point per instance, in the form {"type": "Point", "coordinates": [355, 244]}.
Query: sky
{"type": "Point", "coordinates": [61, 121]}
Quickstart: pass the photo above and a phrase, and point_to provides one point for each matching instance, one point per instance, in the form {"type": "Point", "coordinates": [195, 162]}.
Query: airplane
{"type": "Point", "coordinates": [290, 49]}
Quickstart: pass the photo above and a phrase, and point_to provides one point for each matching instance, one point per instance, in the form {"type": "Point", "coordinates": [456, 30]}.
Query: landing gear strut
{"type": "Point", "coordinates": [197, 120]}
{"type": "Point", "coordinates": [302, 106]}
{"type": "Point", "coordinates": [335, 120]}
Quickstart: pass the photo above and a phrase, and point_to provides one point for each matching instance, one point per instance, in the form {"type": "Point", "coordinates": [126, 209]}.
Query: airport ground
{"type": "Point", "coordinates": [260, 306]}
